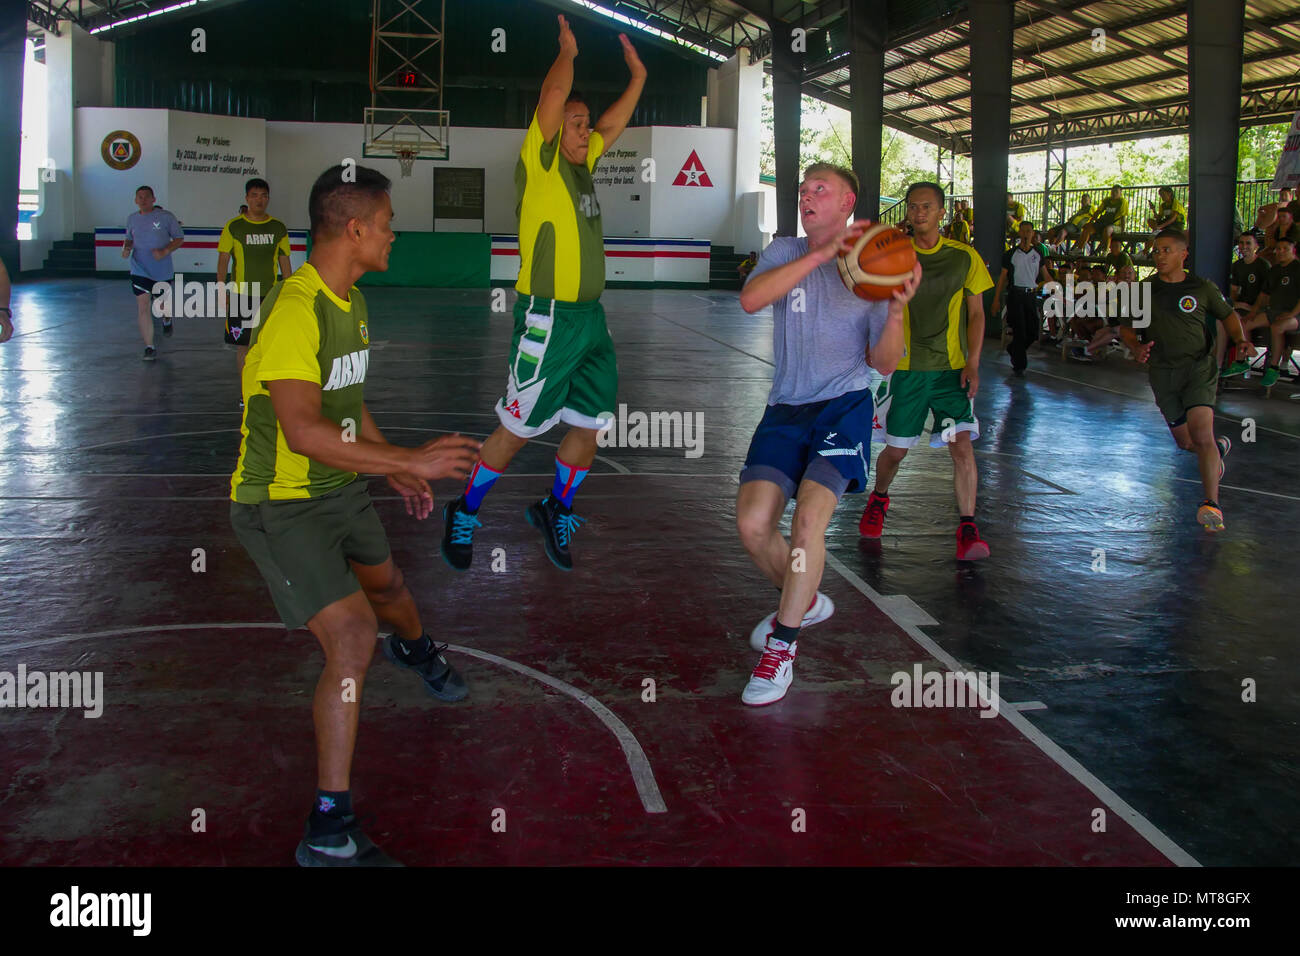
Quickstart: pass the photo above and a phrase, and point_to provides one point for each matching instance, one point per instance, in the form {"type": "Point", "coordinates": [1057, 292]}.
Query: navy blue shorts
{"type": "Point", "coordinates": [827, 442]}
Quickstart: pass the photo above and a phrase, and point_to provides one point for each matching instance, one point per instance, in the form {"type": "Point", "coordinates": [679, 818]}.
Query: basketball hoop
{"type": "Point", "coordinates": [407, 159]}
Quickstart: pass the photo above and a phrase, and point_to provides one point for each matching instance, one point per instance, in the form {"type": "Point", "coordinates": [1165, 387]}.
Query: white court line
{"type": "Point", "coordinates": [1102, 388]}
{"type": "Point", "coordinates": [642, 774]}
{"type": "Point", "coordinates": [1253, 491]}
{"type": "Point", "coordinates": [1117, 805]}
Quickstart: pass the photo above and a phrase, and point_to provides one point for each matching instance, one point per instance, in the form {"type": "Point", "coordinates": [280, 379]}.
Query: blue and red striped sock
{"type": "Point", "coordinates": [480, 481]}
{"type": "Point", "coordinates": [567, 479]}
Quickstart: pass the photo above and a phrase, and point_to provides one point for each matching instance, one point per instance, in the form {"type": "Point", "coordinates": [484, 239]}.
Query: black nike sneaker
{"type": "Point", "coordinates": [345, 846]}
{"type": "Point", "coordinates": [440, 678]}
{"type": "Point", "coordinates": [458, 534]}
{"type": "Point", "coordinates": [557, 524]}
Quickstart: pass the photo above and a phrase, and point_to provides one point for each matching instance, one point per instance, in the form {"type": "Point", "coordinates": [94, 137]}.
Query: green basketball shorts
{"type": "Point", "coordinates": [302, 547]}
{"type": "Point", "coordinates": [562, 368]}
{"type": "Point", "coordinates": [905, 401]}
{"type": "Point", "coordinates": [1184, 386]}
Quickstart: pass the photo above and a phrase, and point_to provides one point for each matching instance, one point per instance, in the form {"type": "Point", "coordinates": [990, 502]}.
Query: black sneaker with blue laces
{"type": "Point", "coordinates": [458, 534]}
{"type": "Point", "coordinates": [440, 678]}
{"type": "Point", "coordinates": [557, 524]}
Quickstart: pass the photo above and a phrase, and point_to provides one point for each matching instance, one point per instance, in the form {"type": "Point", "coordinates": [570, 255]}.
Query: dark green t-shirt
{"type": "Point", "coordinates": [1117, 260]}
{"type": "Point", "coordinates": [1183, 318]}
{"type": "Point", "coordinates": [1250, 278]}
{"type": "Point", "coordinates": [1284, 286]}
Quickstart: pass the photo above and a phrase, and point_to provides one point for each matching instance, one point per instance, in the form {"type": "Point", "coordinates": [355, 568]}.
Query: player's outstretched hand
{"type": "Point", "coordinates": [447, 456]}
{"type": "Point", "coordinates": [634, 64]}
{"type": "Point", "coordinates": [970, 380]}
{"type": "Point", "coordinates": [908, 289]}
{"type": "Point", "coordinates": [568, 42]}
{"type": "Point", "coordinates": [415, 493]}
{"type": "Point", "coordinates": [1143, 352]}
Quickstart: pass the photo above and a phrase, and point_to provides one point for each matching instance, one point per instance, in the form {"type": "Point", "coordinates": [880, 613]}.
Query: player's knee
{"type": "Point", "coordinates": [391, 590]}
{"type": "Point", "coordinates": [807, 527]}
{"type": "Point", "coordinates": [754, 528]}
{"type": "Point", "coordinates": [351, 642]}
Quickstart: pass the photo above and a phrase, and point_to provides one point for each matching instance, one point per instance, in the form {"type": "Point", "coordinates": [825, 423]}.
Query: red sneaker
{"type": "Point", "coordinates": [970, 546]}
{"type": "Point", "coordinates": [872, 524]}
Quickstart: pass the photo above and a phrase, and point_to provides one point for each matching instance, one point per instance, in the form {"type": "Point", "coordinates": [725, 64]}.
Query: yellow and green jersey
{"type": "Point", "coordinates": [255, 248]}
{"type": "Point", "coordinates": [1016, 210]}
{"type": "Point", "coordinates": [1111, 209]}
{"type": "Point", "coordinates": [1175, 209]}
{"type": "Point", "coordinates": [934, 321]}
{"type": "Point", "coordinates": [561, 240]}
{"type": "Point", "coordinates": [1081, 217]}
{"type": "Point", "coordinates": [959, 229]}
{"type": "Point", "coordinates": [308, 334]}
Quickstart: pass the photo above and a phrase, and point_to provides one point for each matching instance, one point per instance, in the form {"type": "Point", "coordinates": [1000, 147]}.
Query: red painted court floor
{"type": "Point", "coordinates": [115, 472]}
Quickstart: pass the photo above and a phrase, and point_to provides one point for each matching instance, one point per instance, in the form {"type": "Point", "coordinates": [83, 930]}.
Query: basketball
{"type": "Point", "coordinates": [879, 263]}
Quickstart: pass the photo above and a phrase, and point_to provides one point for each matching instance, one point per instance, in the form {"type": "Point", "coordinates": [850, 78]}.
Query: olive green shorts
{"type": "Point", "coordinates": [1184, 386]}
{"type": "Point", "coordinates": [303, 547]}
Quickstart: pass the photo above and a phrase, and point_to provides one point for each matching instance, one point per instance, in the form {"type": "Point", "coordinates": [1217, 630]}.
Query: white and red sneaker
{"type": "Point", "coordinates": [820, 609]}
{"type": "Point", "coordinates": [773, 675]}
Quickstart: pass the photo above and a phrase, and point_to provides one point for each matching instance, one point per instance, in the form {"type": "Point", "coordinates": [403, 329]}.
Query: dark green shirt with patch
{"type": "Point", "coordinates": [1284, 286]}
{"type": "Point", "coordinates": [1183, 318]}
{"type": "Point", "coordinates": [1250, 278]}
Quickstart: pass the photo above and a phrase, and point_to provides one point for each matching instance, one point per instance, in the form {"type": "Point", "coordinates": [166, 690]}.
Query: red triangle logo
{"type": "Point", "coordinates": [693, 173]}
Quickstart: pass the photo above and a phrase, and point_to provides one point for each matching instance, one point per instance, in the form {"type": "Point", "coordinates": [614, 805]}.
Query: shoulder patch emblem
{"type": "Point", "coordinates": [1187, 303]}
{"type": "Point", "coordinates": [365, 332]}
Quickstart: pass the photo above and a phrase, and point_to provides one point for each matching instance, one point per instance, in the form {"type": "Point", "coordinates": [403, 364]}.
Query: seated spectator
{"type": "Point", "coordinates": [1110, 333]}
{"type": "Point", "coordinates": [1117, 258]}
{"type": "Point", "coordinates": [1268, 212]}
{"type": "Point", "coordinates": [1073, 227]}
{"type": "Point", "coordinates": [1284, 225]}
{"type": "Point", "coordinates": [1109, 218]}
{"type": "Point", "coordinates": [1281, 300]}
{"type": "Point", "coordinates": [1248, 277]}
{"type": "Point", "coordinates": [1170, 214]}
{"type": "Point", "coordinates": [747, 265]}
{"type": "Point", "coordinates": [1015, 216]}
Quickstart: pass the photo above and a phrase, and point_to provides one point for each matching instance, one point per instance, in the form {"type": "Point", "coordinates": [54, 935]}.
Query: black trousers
{"type": "Point", "coordinates": [1022, 317]}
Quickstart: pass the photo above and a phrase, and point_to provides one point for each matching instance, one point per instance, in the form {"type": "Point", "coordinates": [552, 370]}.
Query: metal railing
{"type": "Point", "coordinates": [1251, 194]}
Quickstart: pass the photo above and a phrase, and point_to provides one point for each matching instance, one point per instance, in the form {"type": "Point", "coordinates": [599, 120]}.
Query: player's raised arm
{"type": "Point", "coordinates": [764, 288]}
{"type": "Point", "coordinates": [615, 119]}
{"type": "Point", "coordinates": [558, 84]}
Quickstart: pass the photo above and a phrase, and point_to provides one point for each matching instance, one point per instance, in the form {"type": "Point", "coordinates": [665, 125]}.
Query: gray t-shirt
{"type": "Point", "coordinates": [150, 232]}
{"type": "Point", "coordinates": [820, 350]}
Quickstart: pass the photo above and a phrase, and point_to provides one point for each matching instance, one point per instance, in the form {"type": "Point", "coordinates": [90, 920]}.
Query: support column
{"type": "Point", "coordinates": [13, 37]}
{"type": "Point", "coordinates": [1214, 51]}
{"type": "Point", "coordinates": [867, 22]}
{"type": "Point", "coordinates": [991, 27]}
{"type": "Point", "coordinates": [736, 102]}
{"type": "Point", "coordinates": [787, 77]}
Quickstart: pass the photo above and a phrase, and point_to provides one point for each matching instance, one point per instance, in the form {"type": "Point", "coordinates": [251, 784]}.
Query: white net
{"type": "Point", "coordinates": [406, 157]}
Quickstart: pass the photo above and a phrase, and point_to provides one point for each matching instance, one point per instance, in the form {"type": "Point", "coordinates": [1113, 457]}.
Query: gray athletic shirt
{"type": "Point", "coordinates": [819, 351]}
{"type": "Point", "coordinates": [147, 233]}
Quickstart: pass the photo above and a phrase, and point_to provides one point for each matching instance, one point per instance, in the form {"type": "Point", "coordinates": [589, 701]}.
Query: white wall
{"type": "Point", "coordinates": [292, 155]}
{"type": "Point", "coordinates": [205, 176]}
{"type": "Point", "coordinates": [693, 211]}
{"type": "Point", "coordinates": [105, 196]}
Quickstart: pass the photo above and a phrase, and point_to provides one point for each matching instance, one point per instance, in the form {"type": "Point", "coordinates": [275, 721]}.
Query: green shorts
{"type": "Point", "coordinates": [1184, 386]}
{"type": "Point", "coordinates": [303, 547]}
{"type": "Point", "coordinates": [907, 398]}
{"type": "Point", "coordinates": [562, 368]}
